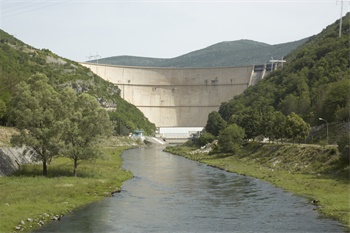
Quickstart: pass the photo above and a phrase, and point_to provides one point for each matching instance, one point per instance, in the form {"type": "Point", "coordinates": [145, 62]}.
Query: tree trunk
{"type": "Point", "coordinates": [44, 168]}
{"type": "Point", "coordinates": [75, 167]}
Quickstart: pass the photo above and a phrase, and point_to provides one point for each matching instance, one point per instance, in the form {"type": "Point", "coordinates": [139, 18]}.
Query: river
{"type": "Point", "coordinates": [172, 194]}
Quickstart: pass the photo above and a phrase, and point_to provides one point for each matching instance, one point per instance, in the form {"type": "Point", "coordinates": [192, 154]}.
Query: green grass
{"type": "Point", "coordinates": [27, 194]}
{"type": "Point", "coordinates": [312, 172]}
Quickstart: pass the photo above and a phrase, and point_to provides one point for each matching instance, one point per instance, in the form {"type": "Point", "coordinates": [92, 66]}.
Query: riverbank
{"type": "Point", "coordinates": [311, 171]}
{"type": "Point", "coordinates": [29, 200]}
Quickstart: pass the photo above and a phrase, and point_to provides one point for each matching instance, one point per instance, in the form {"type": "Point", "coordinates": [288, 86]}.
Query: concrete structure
{"type": "Point", "coordinates": [176, 133]}
{"type": "Point", "coordinates": [179, 97]}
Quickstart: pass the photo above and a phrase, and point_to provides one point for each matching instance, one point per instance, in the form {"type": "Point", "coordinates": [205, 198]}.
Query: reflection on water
{"type": "Point", "coordinates": [173, 194]}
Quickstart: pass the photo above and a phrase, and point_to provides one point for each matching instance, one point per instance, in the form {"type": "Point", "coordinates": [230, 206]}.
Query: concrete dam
{"type": "Point", "coordinates": [179, 97]}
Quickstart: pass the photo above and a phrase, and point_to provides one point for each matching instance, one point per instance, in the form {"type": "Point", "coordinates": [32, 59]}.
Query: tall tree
{"type": "Point", "coordinates": [231, 138]}
{"type": "Point", "coordinates": [215, 123]}
{"type": "Point", "coordinates": [296, 127]}
{"type": "Point", "coordinates": [250, 120]}
{"type": "Point", "coordinates": [2, 110]}
{"type": "Point", "coordinates": [34, 108]}
{"type": "Point", "coordinates": [279, 125]}
{"type": "Point", "coordinates": [227, 109]}
{"type": "Point", "coordinates": [267, 123]}
{"type": "Point", "coordinates": [337, 98]}
{"type": "Point", "coordinates": [86, 122]}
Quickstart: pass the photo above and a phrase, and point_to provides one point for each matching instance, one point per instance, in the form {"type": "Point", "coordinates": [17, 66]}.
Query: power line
{"type": "Point", "coordinates": [14, 5]}
{"type": "Point", "coordinates": [96, 59]}
{"type": "Point", "coordinates": [6, 9]}
{"type": "Point", "coordinates": [20, 9]}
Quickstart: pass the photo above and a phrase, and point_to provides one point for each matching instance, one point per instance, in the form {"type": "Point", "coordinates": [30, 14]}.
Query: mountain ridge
{"type": "Point", "coordinates": [314, 83]}
{"type": "Point", "coordinates": [241, 52]}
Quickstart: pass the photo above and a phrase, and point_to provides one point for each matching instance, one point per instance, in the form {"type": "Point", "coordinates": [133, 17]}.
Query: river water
{"type": "Point", "coordinates": [172, 194]}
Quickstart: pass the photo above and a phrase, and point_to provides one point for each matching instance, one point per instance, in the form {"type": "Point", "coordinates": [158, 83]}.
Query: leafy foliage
{"type": "Point", "coordinates": [231, 138]}
{"type": "Point", "coordinates": [205, 138]}
{"type": "Point", "coordinates": [34, 112]}
{"type": "Point", "coordinates": [250, 119]}
{"type": "Point", "coordinates": [336, 103]}
{"type": "Point", "coordinates": [127, 118]}
{"type": "Point", "coordinates": [2, 109]}
{"type": "Point", "coordinates": [20, 61]}
{"type": "Point", "coordinates": [314, 83]}
{"type": "Point", "coordinates": [53, 123]}
{"type": "Point", "coordinates": [84, 124]}
{"type": "Point", "coordinates": [215, 123]}
{"type": "Point", "coordinates": [344, 147]}
{"type": "Point", "coordinates": [296, 127]}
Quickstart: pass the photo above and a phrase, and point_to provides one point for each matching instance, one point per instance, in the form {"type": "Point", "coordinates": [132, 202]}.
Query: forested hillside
{"type": "Point", "coordinates": [228, 53]}
{"type": "Point", "coordinates": [18, 62]}
{"type": "Point", "coordinates": [314, 83]}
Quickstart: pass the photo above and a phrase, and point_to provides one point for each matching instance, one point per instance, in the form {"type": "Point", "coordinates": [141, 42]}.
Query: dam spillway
{"type": "Point", "coordinates": [178, 97]}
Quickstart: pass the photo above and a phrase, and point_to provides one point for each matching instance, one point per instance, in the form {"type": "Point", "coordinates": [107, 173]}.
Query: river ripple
{"type": "Point", "coordinates": [173, 194]}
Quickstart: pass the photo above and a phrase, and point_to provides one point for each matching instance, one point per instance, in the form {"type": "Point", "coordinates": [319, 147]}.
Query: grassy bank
{"type": "Point", "coordinates": [311, 171]}
{"type": "Point", "coordinates": [27, 199]}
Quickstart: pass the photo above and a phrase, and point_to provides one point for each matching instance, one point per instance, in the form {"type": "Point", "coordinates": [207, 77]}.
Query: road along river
{"type": "Point", "coordinates": [172, 194]}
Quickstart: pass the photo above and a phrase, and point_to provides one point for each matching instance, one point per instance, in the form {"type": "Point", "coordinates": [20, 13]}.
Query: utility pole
{"type": "Point", "coordinates": [96, 58]}
{"type": "Point", "coordinates": [321, 119]}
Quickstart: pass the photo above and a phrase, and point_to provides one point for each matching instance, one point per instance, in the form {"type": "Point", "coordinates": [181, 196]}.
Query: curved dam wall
{"type": "Point", "coordinates": [178, 97]}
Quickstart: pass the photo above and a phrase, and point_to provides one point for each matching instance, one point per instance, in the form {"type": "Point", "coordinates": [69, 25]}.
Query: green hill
{"type": "Point", "coordinates": [19, 61]}
{"type": "Point", "coordinates": [229, 53]}
{"type": "Point", "coordinates": [131, 61]}
{"type": "Point", "coordinates": [314, 83]}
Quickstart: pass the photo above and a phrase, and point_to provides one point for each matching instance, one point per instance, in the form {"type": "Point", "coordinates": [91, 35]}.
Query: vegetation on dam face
{"type": "Point", "coordinates": [315, 172]}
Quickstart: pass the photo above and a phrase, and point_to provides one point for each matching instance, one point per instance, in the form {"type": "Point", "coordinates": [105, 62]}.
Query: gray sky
{"type": "Point", "coordinates": [160, 29]}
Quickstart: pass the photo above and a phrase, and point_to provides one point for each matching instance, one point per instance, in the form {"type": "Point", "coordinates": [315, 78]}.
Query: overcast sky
{"type": "Point", "coordinates": [160, 29]}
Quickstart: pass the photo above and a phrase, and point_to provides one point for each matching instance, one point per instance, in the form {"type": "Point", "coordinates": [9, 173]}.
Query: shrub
{"type": "Point", "coordinates": [344, 147]}
{"type": "Point", "coordinates": [231, 138]}
{"type": "Point", "coordinates": [323, 143]}
{"type": "Point", "coordinates": [205, 138]}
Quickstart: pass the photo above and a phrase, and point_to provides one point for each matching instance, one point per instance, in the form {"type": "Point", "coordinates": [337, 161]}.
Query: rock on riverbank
{"type": "Point", "coordinates": [12, 157]}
